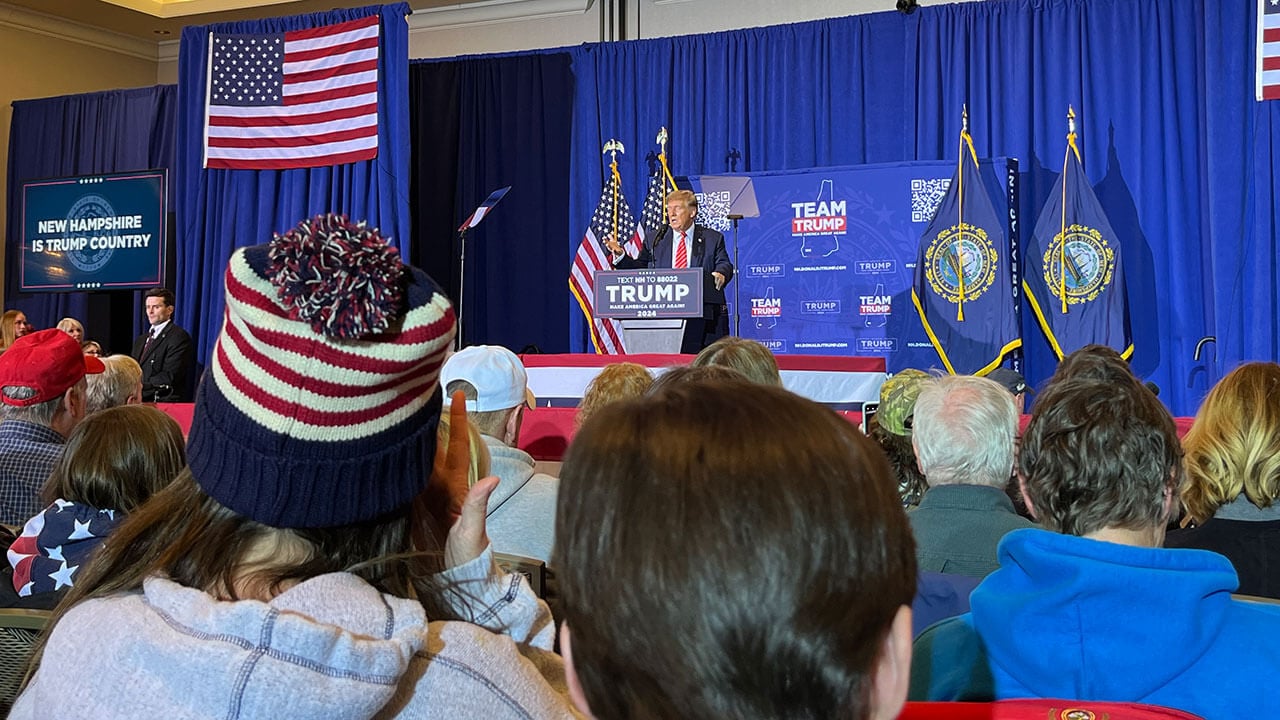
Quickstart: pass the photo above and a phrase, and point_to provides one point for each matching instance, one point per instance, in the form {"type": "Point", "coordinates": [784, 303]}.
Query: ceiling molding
{"type": "Point", "coordinates": [167, 50]}
{"type": "Point", "coordinates": [71, 31]}
{"type": "Point", "coordinates": [169, 9]}
{"type": "Point", "coordinates": [493, 11]}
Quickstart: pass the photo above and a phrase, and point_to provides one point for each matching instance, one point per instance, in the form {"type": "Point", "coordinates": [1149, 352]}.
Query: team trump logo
{"type": "Point", "coordinates": [819, 217]}
{"type": "Point", "coordinates": [1089, 262]}
{"type": "Point", "coordinates": [960, 263]}
{"type": "Point", "coordinates": [766, 307]}
{"type": "Point", "coordinates": [875, 304]}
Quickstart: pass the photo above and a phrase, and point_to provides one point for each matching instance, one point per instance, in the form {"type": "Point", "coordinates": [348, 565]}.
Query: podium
{"type": "Point", "coordinates": [651, 303]}
{"type": "Point", "coordinates": [653, 336]}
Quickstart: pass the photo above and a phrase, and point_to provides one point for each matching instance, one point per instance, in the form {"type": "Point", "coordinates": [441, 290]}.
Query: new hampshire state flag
{"type": "Point", "coordinates": [1073, 277]}
{"type": "Point", "coordinates": [963, 285]}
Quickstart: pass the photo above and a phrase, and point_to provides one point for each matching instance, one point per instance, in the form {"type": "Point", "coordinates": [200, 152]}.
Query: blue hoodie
{"type": "Point", "coordinates": [1068, 617]}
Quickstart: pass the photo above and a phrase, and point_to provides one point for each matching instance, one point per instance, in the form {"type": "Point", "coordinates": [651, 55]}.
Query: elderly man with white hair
{"type": "Point", "coordinates": [965, 430]}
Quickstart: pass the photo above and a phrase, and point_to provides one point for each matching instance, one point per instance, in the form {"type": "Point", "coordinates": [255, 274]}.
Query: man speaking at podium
{"type": "Point", "coordinates": [682, 244]}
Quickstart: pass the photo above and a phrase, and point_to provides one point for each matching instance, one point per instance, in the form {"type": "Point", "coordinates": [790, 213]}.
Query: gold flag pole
{"type": "Point", "coordinates": [666, 169]}
{"type": "Point", "coordinates": [1062, 249]}
{"type": "Point", "coordinates": [964, 138]}
{"type": "Point", "coordinates": [613, 147]}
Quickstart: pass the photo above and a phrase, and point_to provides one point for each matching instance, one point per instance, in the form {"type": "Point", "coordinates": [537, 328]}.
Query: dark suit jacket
{"type": "Point", "coordinates": [165, 364]}
{"type": "Point", "coordinates": [707, 252]}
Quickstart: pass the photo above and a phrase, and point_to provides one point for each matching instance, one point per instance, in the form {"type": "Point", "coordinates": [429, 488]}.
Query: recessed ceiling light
{"type": "Point", "coordinates": [162, 32]}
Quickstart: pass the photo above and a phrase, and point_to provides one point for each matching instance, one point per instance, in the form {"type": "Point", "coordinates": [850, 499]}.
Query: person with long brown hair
{"type": "Point", "coordinates": [283, 573]}
{"type": "Point", "coordinates": [748, 559]}
{"type": "Point", "coordinates": [113, 462]}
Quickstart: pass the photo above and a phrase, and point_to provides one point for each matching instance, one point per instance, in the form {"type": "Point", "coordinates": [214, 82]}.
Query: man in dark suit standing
{"type": "Point", "coordinates": [164, 351]}
{"type": "Point", "coordinates": [682, 244]}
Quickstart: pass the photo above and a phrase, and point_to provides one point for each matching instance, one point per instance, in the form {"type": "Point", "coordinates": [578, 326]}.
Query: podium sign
{"type": "Point", "coordinates": [650, 293]}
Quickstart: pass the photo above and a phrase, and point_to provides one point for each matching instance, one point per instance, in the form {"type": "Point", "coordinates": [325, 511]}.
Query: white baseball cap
{"type": "Point", "coordinates": [496, 373]}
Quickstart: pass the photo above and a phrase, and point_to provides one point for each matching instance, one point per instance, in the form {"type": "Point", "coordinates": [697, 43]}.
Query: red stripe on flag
{"type": "Point", "coordinates": [1271, 92]}
{"type": "Point", "coordinates": [333, 94]}
{"type": "Point", "coordinates": [294, 120]}
{"type": "Point", "coordinates": [319, 53]}
{"type": "Point", "coordinates": [294, 141]}
{"type": "Point", "coordinates": [328, 30]}
{"type": "Point", "coordinates": [331, 72]}
{"type": "Point", "coordinates": [292, 163]}
{"type": "Point", "coordinates": [1271, 63]}
{"type": "Point", "coordinates": [1271, 35]}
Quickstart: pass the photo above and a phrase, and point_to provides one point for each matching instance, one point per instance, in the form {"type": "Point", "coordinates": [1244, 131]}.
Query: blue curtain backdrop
{"type": "Point", "coordinates": [220, 210]}
{"type": "Point", "coordinates": [479, 124]}
{"type": "Point", "coordinates": [1180, 155]}
{"type": "Point", "coordinates": [102, 132]}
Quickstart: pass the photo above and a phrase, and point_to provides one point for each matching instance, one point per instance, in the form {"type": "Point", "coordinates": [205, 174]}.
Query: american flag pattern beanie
{"type": "Point", "coordinates": [322, 397]}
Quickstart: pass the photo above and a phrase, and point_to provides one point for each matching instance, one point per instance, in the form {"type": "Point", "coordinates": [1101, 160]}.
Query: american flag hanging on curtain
{"type": "Point", "coordinates": [606, 333]}
{"type": "Point", "coordinates": [1268, 49]}
{"type": "Point", "coordinates": [302, 98]}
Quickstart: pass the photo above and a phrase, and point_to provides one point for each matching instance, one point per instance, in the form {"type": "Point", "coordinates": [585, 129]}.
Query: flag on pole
{"type": "Point", "coordinates": [1074, 282]}
{"type": "Point", "coordinates": [963, 287]}
{"type": "Point", "coordinates": [651, 214]}
{"type": "Point", "coordinates": [1268, 55]}
{"type": "Point", "coordinates": [296, 99]}
{"type": "Point", "coordinates": [611, 217]}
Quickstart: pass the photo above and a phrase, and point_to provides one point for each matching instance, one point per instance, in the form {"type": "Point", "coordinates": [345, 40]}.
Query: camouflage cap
{"type": "Point", "coordinates": [898, 400]}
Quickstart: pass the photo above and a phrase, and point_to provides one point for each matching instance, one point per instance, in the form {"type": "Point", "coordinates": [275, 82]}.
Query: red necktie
{"type": "Point", "coordinates": [682, 255]}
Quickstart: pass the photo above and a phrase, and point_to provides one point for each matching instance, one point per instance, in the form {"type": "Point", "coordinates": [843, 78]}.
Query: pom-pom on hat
{"type": "Point", "coordinates": [320, 404]}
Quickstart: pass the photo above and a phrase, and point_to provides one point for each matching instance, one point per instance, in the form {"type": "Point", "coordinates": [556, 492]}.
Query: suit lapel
{"type": "Point", "coordinates": [695, 247]}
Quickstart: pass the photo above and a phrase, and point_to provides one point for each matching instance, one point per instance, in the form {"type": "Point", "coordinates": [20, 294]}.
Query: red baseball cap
{"type": "Point", "coordinates": [49, 362]}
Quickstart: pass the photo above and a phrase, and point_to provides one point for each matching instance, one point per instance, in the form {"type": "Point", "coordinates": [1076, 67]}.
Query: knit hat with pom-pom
{"type": "Point", "coordinates": [320, 404]}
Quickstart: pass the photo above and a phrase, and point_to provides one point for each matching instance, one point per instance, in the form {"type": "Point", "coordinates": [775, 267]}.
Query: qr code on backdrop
{"type": "Point", "coordinates": [712, 209]}
{"type": "Point", "coordinates": [926, 195]}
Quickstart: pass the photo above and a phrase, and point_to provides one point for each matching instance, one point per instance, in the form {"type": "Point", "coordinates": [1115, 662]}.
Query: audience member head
{"type": "Point", "coordinates": [746, 356]}
{"type": "Point", "coordinates": [296, 474]}
{"type": "Point", "coordinates": [1100, 455]}
{"type": "Point", "coordinates": [757, 538]}
{"type": "Point", "coordinates": [890, 428]}
{"type": "Point", "coordinates": [13, 325]}
{"type": "Point", "coordinates": [120, 383]}
{"type": "Point", "coordinates": [1012, 381]}
{"type": "Point", "coordinates": [42, 380]}
{"type": "Point", "coordinates": [89, 347]}
{"type": "Point", "coordinates": [616, 381]}
{"type": "Point", "coordinates": [964, 431]}
{"type": "Point", "coordinates": [687, 374]}
{"type": "Point", "coordinates": [72, 327]}
{"type": "Point", "coordinates": [496, 386]}
{"type": "Point", "coordinates": [1094, 361]}
{"type": "Point", "coordinates": [118, 458]}
{"type": "Point", "coordinates": [1233, 448]}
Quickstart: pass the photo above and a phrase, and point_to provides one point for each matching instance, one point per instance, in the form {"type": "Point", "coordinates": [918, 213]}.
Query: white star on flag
{"type": "Point", "coordinates": [80, 532]}
{"type": "Point", "coordinates": [62, 578]}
